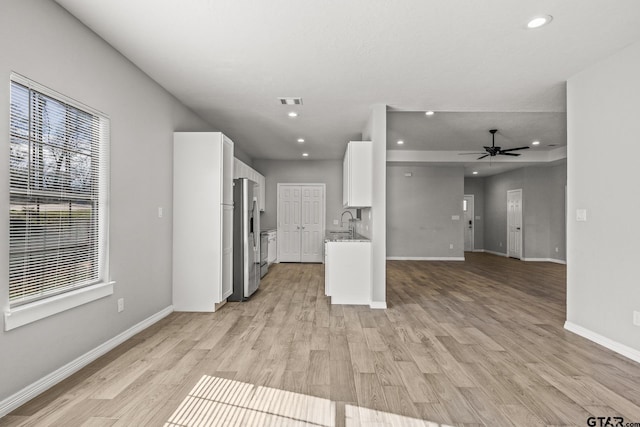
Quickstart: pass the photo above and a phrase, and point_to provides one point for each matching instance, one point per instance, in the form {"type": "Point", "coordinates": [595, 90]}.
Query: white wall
{"type": "Point", "coordinates": [420, 210]}
{"type": "Point", "coordinates": [375, 218]}
{"type": "Point", "coordinates": [603, 107]}
{"type": "Point", "coordinates": [39, 40]}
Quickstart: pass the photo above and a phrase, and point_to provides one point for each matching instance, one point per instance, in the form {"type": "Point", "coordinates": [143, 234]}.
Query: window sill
{"type": "Point", "coordinates": [29, 313]}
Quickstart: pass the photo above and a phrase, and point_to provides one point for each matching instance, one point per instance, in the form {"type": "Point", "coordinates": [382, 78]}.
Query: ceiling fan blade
{"type": "Point", "coordinates": [468, 154]}
{"type": "Point", "coordinates": [482, 157]}
{"type": "Point", "coordinates": [508, 154]}
{"type": "Point", "coordinates": [514, 149]}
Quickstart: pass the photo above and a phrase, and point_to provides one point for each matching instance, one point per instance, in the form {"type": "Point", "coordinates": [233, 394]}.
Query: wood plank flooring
{"type": "Point", "coordinates": [474, 343]}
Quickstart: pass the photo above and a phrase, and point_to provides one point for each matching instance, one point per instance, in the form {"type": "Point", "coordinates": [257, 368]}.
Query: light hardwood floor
{"type": "Point", "coordinates": [474, 343]}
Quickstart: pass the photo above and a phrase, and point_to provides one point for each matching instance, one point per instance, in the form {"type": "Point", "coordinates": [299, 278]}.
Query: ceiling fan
{"type": "Point", "coordinates": [494, 151]}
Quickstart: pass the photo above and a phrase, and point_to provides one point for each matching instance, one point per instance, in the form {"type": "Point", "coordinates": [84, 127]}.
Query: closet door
{"type": "Point", "coordinates": [289, 228]}
{"type": "Point", "coordinates": [301, 211]}
{"type": "Point", "coordinates": [312, 223]}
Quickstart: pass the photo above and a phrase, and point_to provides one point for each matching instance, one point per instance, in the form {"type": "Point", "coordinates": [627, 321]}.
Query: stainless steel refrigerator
{"type": "Point", "coordinates": [246, 239]}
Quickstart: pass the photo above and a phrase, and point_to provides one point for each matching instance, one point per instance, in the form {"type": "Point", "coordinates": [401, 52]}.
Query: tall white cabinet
{"type": "Point", "coordinates": [202, 220]}
{"type": "Point", "coordinates": [357, 175]}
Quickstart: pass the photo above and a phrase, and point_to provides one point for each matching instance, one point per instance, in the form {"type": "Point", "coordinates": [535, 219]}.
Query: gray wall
{"type": "Point", "coordinates": [39, 40]}
{"type": "Point", "coordinates": [419, 211]}
{"type": "Point", "coordinates": [475, 186]}
{"type": "Point", "coordinates": [602, 263]}
{"type": "Point", "coordinates": [543, 193]}
{"type": "Point", "coordinates": [328, 172]}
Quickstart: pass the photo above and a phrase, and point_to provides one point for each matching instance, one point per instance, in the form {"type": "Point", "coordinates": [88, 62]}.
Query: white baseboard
{"type": "Point", "coordinates": [478, 250]}
{"type": "Point", "coordinates": [428, 258]}
{"type": "Point", "coordinates": [556, 261]}
{"type": "Point", "coordinates": [381, 305]}
{"type": "Point", "coordinates": [29, 392]}
{"type": "Point", "coordinates": [612, 345]}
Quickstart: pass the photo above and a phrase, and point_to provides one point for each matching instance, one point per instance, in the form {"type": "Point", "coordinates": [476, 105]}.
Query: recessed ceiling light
{"type": "Point", "coordinates": [400, 142]}
{"type": "Point", "coordinates": [535, 143]}
{"type": "Point", "coordinates": [305, 154]}
{"type": "Point", "coordinates": [539, 21]}
{"type": "Point", "coordinates": [300, 140]}
{"type": "Point", "coordinates": [293, 114]}
{"type": "Point", "coordinates": [429, 113]}
{"type": "Point", "coordinates": [475, 172]}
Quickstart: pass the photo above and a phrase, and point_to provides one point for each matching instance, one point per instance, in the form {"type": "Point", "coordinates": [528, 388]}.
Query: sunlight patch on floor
{"type": "Point", "coordinates": [219, 401]}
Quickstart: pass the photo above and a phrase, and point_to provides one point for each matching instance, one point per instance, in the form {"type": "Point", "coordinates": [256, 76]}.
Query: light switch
{"type": "Point", "coordinates": [160, 212]}
{"type": "Point", "coordinates": [336, 222]}
{"type": "Point", "coordinates": [581, 214]}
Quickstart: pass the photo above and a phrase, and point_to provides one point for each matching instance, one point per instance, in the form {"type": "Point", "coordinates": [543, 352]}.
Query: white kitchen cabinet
{"type": "Point", "coordinates": [263, 192]}
{"type": "Point", "coordinates": [272, 248]}
{"type": "Point", "coordinates": [242, 170]}
{"type": "Point", "coordinates": [202, 220]}
{"type": "Point", "coordinates": [357, 175]}
{"type": "Point", "coordinates": [348, 272]}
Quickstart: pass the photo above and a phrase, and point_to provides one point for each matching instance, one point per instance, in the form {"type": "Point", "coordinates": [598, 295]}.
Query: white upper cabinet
{"type": "Point", "coordinates": [357, 175]}
{"type": "Point", "coordinates": [242, 170]}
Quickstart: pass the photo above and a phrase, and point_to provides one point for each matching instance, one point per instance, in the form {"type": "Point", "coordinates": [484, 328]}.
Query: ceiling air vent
{"type": "Point", "coordinates": [290, 101]}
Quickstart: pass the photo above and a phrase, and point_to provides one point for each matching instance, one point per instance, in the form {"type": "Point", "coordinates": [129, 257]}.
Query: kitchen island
{"type": "Point", "coordinates": [347, 274]}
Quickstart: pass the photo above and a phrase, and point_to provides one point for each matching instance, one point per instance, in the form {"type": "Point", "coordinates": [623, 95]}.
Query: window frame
{"type": "Point", "coordinates": [64, 297]}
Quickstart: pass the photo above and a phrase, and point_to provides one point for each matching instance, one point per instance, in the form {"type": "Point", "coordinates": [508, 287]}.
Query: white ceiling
{"type": "Point", "coordinates": [229, 60]}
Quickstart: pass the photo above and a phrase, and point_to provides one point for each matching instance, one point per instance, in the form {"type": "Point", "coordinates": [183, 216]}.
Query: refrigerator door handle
{"type": "Point", "coordinates": [253, 225]}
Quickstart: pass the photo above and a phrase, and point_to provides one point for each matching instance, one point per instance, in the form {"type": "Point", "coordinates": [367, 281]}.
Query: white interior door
{"type": "Point", "coordinates": [312, 223]}
{"type": "Point", "coordinates": [301, 212]}
{"type": "Point", "coordinates": [289, 228]}
{"type": "Point", "coordinates": [514, 223]}
{"type": "Point", "coordinates": [467, 208]}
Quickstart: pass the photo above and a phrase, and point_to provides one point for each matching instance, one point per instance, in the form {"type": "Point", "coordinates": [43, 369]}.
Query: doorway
{"type": "Point", "coordinates": [514, 223]}
{"type": "Point", "coordinates": [301, 222]}
{"type": "Point", "coordinates": [467, 208]}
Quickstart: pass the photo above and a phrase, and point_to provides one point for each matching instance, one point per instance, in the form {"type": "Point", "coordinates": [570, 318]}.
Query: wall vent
{"type": "Point", "coordinates": [290, 101]}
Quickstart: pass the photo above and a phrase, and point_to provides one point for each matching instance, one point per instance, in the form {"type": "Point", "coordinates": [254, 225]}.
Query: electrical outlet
{"type": "Point", "coordinates": [636, 318]}
{"type": "Point", "coordinates": [500, 244]}
{"type": "Point", "coordinates": [120, 305]}
{"type": "Point", "coordinates": [336, 222]}
{"type": "Point", "coordinates": [160, 212]}
{"type": "Point", "coordinates": [556, 249]}
{"type": "Point", "coordinates": [450, 245]}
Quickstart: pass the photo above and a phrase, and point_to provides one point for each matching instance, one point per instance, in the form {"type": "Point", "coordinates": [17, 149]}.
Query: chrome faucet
{"type": "Point", "coordinates": [351, 222]}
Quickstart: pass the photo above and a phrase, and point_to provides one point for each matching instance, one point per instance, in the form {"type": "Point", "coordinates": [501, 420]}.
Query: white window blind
{"type": "Point", "coordinates": [59, 193]}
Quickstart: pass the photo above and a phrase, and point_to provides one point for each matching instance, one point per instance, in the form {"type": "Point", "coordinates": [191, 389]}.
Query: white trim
{"type": "Point", "coordinates": [427, 258]}
{"type": "Point", "coordinates": [478, 250]}
{"type": "Point", "coordinates": [556, 261]}
{"type": "Point", "coordinates": [612, 345]}
{"type": "Point", "coordinates": [495, 253]}
{"type": "Point", "coordinates": [29, 392]}
{"type": "Point", "coordinates": [37, 310]}
{"type": "Point", "coordinates": [378, 305]}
